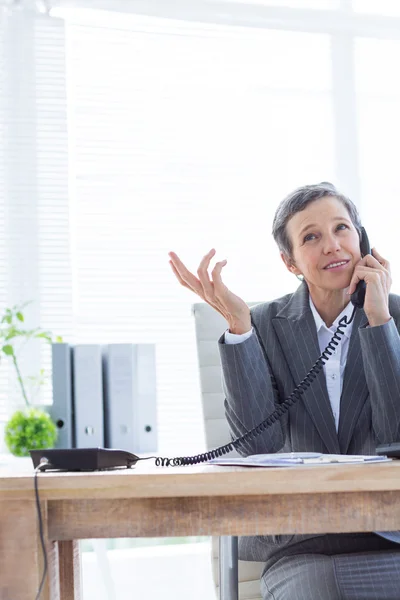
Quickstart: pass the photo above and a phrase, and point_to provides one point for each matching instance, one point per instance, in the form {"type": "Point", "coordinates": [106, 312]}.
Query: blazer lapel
{"type": "Point", "coordinates": [295, 328]}
{"type": "Point", "coordinates": [354, 388]}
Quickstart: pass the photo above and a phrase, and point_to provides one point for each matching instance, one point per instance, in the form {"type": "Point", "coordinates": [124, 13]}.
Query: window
{"type": "Point", "coordinates": [185, 137]}
{"type": "Point", "coordinates": [379, 133]}
{"type": "Point", "coordinates": [148, 134]}
{"type": "Point", "coordinates": [34, 211]}
{"type": "Point", "coordinates": [377, 7]}
{"type": "Point", "coordinates": [317, 4]}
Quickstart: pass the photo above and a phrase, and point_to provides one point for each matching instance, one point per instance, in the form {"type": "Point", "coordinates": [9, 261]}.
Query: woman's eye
{"type": "Point", "coordinates": [342, 225]}
{"type": "Point", "coordinates": [309, 237]}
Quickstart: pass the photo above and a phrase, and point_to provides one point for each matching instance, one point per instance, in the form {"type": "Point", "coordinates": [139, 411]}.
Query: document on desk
{"type": "Point", "coordinates": [293, 459]}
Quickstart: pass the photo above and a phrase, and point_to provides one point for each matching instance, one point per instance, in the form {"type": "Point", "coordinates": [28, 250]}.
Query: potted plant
{"type": "Point", "coordinates": [31, 427]}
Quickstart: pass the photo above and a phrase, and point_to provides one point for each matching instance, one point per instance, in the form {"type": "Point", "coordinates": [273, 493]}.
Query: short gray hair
{"type": "Point", "coordinates": [297, 201]}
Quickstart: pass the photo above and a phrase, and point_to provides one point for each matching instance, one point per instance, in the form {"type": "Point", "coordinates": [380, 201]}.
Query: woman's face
{"type": "Point", "coordinates": [322, 235]}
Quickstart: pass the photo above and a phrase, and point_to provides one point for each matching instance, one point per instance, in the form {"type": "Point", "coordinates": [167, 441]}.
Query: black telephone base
{"type": "Point", "coordinates": [82, 459]}
{"type": "Point", "coordinates": [391, 450]}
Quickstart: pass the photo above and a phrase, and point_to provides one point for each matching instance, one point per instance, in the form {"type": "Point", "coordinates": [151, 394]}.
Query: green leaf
{"type": "Point", "coordinates": [10, 336]}
{"type": "Point", "coordinates": [12, 333]}
{"type": "Point", "coordinates": [7, 349]}
{"type": "Point", "coordinates": [44, 335]}
{"type": "Point", "coordinates": [20, 316]}
{"type": "Point", "coordinates": [59, 339]}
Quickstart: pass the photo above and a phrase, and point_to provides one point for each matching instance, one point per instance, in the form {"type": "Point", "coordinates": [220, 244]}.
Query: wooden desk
{"type": "Point", "coordinates": [151, 501]}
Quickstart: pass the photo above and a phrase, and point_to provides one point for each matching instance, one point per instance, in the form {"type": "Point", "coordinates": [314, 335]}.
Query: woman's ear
{"type": "Point", "coordinates": [290, 264]}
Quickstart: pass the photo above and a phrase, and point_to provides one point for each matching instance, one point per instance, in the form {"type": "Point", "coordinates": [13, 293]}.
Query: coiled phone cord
{"type": "Point", "coordinates": [275, 415]}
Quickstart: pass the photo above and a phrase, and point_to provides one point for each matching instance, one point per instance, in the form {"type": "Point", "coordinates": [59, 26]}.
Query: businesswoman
{"type": "Point", "coordinates": [351, 406]}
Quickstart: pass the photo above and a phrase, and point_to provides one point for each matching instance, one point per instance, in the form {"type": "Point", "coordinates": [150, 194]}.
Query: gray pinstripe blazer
{"type": "Point", "coordinates": [369, 404]}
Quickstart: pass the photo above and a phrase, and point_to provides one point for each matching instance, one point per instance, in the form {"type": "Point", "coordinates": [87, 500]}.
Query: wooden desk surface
{"type": "Point", "coordinates": [148, 481]}
{"type": "Point", "coordinates": [150, 501]}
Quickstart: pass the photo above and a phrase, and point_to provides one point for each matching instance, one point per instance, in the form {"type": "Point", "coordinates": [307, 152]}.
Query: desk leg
{"type": "Point", "coordinates": [70, 570]}
{"type": "Point", "coordinates": [21, 558]}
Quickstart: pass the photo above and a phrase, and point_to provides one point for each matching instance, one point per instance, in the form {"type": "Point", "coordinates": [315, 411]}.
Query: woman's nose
{"type": "Point", "coordinates": [331, 244]}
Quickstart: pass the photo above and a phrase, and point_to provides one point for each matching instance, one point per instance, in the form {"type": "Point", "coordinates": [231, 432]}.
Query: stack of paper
{"type": "Point", "coordinates": [291, 459]}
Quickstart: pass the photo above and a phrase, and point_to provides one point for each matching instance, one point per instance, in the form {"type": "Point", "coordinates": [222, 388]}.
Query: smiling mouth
{"type": "Point", "coordinates": [337, 265]}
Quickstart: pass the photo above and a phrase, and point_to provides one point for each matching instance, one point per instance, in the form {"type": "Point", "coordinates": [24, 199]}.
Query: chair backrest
{"type": "Point", "coordinates": [210, 325]}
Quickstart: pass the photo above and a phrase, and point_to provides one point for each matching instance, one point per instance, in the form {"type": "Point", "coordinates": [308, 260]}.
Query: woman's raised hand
{"type": "Point", "coordinates": [375, 271]}
{"type": "Point", "coordinates": [213, 291]}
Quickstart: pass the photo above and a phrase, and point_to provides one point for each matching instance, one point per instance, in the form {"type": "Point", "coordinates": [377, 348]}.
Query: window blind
{"type": "Point", "coordinates": [378, 96]}
{"type": "Point", "coordinates": [184, 137]}
{"type": "Point", "coordinates": [122, 137]}
{"type": "Point", "coordinates": [34, 203]}
{"type": "Point", "coordinates": [135, 136]}
{"type": "Point", "coordinates": [3, 246]}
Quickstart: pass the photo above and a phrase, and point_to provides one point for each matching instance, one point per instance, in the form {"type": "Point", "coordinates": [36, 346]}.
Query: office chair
{"type": "Point", "coordinates": [234, 579]}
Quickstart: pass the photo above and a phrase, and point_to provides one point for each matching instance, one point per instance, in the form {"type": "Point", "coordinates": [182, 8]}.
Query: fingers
{"type": "Point", "coordinates": [370, 275]}
{"type": "Point", "coordinates": [375, 260]}
{"type": "Point", "coordinates": [177, 275]}
{"type": "Point", "coordinates": [214, 287]}
{"type": "Point", "coordinates": [184, 276]}
{"type": "Point", "coordinates": [202, 272]}
{"type": "Point", "coordinates": [202, 286]}
{"type": "Point", "coordinates": [361, 273]}
{"type": "Point", "coordinates": [382, 261]}
{"type": "Point", "coordinates": [216, 273]}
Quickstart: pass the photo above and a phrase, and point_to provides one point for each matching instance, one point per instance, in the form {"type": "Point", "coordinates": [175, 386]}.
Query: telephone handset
{"type": "Point", "coordinates": [357, 299]}
{"type": "Point", "coordinates": [358, 296]}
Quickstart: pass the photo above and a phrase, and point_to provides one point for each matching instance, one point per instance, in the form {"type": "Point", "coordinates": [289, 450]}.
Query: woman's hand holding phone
{"type": "Point", "coordinates": [375, 271]}
{"type": "Point", "coordinates": [213, 291]}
